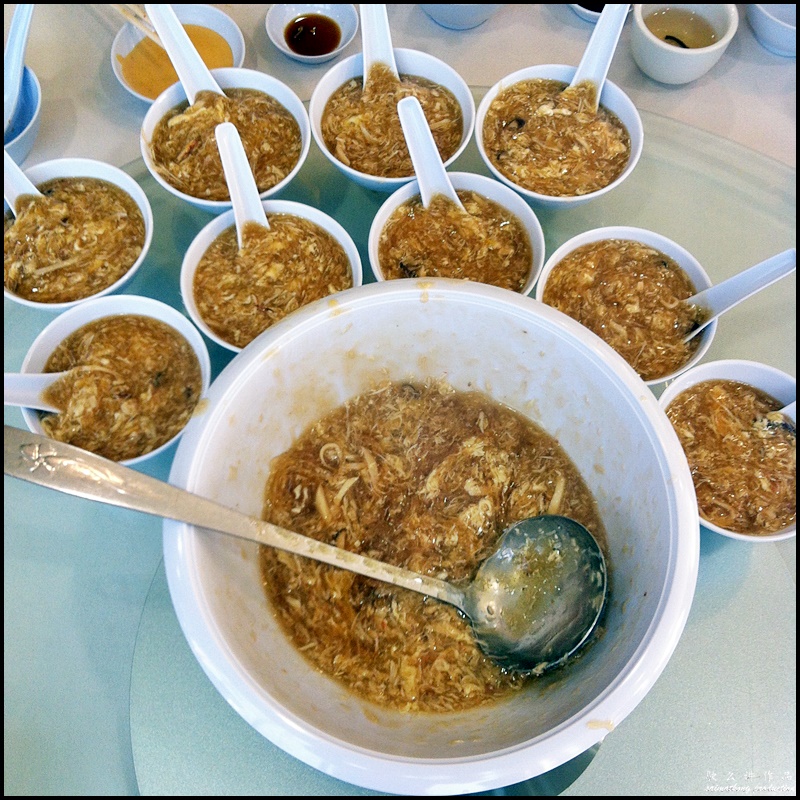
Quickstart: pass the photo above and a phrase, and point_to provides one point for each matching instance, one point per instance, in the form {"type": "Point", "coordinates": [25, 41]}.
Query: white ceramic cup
{"type": "Point", "coordinates": [668, 63]}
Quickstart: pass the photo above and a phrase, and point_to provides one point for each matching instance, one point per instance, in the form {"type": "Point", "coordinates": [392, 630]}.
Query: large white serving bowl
{"type": "Point", "coordinates": [533, 359]}
{"type": "Point", "coordinates": [90, 168]}
{"type": "Point", "coordinates": [687, 262]}
{"type": "Point", "coordinates": [216, 226]}
{"type": "Point", "coordinates": [480, 184]}
{"type": "Point", "coordinates": [409, 62]}
{"type": "Point", "coordinates": [226, 78]}
{"type": "Point", "coordinates": [75, 318]}
{"type": "Point", "coordinates": [775, 382]}
{"type": "Point", "coordinates": [612, 98]}
{"type": "Point", "coordinates": [205, 16]}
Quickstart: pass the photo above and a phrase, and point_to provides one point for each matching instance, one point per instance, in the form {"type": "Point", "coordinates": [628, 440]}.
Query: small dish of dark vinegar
{"type": "Point", "coordinates": [312, 34]}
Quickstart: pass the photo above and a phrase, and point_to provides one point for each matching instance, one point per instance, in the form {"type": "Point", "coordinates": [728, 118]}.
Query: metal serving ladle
{"type": "Point", "coordinates": [532, 604]}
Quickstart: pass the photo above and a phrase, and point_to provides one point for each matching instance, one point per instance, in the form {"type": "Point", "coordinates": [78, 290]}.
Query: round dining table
{"type": "Point", "coordinates": [102, 695]}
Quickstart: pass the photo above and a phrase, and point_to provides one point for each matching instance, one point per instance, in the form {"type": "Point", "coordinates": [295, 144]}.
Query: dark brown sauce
{"type": "Point", "coordinates": [312, 35]}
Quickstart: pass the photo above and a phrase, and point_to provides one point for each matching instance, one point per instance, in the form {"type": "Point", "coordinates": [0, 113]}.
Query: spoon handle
{"type": "Point", "coordinates": [724, 296]}
{"type": "Point", "coordinates": [15, 183]}
{"type": "Point", "coordinates": [431, 174]}
{"type": "Point", "coordinates": [14, 59]}
{"type": "Point", "coordinates": [46, 462]}
{"type": "Point", "coordinates": [26, 388]}
{"type": "Point", "coordinates": [241, 182]}
{"type": "Point", "coordinates": [597, 57]}
{"type": "Point", "coordinates": [193, 74]}
{"type": "Point", "coordinates": [376, 39]}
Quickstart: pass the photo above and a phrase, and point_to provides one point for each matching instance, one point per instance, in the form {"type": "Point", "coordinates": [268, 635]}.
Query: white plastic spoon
{"type": "Point", "coordinates": [15, 183]}
{"type": "Point", "coordinates": [596, 60]}
{"type": "Point", "coordinates": [429, 168]}
{"type": "Point", "coordinates": [194, 75]}
{"type": "Point", "coordinates": [724, 296]}
{"type": "Point", "coordinates": [242, 186]}
{"type": "Point", "coordinates": [376, 39]}
{"type": "Point", "coordinates": [26, 389]}
{"type": "Point", "coordinates": [14, 60]}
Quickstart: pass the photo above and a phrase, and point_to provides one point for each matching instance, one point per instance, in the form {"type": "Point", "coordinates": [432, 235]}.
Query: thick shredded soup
{"type": "Point", "coordinates": [361, 127]}
{"type": "Point", "coordinates": [486, 244]}
{"type": "Point", "coordinates": [427, 478]}
{"type": "Point", "coordinates": [553, 142]}
{"type": "Point", "coordinates": [241, 292]}
{"type": "Point", "coordinates": [742, 454]}
{"type": "Point", "coordinates": [133, 383]}
{"type": "Point", "coordinates": [184, 143]}
{"type": "Point", "coordinates": [75, 240]}
{"type": "Point", "coordinates": [632, 296]}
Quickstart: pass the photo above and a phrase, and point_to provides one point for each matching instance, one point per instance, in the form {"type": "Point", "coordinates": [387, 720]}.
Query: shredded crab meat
{"type": "Point", "coordinates": [78, 238]}
{"type": "Point", "coordinates": [742, 455]}
{"type": "Point", "coordinates": [133, 383]}
{"type": "Point", "coordinates": [184, 145]}
{"type": "Point", "coordinates": [488, 243]}
{"type": "Point", "coordinates": [633, 297]}
{"type": "Point", "coordinates": [421, 476]}
{"type": "Point", "coordinates": [362, 129]}
{"type": "Point", "coordinates": [239, 293]}
{"type": "Point", "coordinates": [548, 138]}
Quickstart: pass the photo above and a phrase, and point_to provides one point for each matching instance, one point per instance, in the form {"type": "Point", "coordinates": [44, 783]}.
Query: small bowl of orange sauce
{"type": "Point", "coordinates": [143, 67]}
{"type": "Point", "coordinates": [311, 33]}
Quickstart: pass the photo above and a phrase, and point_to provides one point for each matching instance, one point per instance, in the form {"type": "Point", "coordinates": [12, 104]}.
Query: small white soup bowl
{"type": "Point", "coordinates": [776, 383]}
{"type": "Point", "coordinates": [480, 184]}
{"type": "Point", "coordinates": [687, 262]}
{"type": "Point", "coordinates": [524, 355]}
{"type": "Point", "coordinates": [672, 64]}
{"type": "Point", "coordinates": [213, 229]}
{"type": "Point", "coordinates": [409, 62]}
{"type": "Point", "coordinates": [460, 16]}
{"type": "Point", "coordinates": [24, 125]}
{"type": "Point", "coordinates": [70, 321]}
{"type": "Point", "coordinates": [205, 16]}
{"type": "Point", "coordinates": [229, 78]}
{"type": "Point", "coordinates": [280, 15]}
{"type": "Point", "coordinates": [89, 168]}
{"type": "Point", "coordinates": [612, 98]}
{"type": "Point", "coordinates": [775, 26]}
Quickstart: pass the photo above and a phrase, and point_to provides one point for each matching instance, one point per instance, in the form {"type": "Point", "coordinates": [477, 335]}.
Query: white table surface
{"type": "Point", "coordinates": [70, 638]}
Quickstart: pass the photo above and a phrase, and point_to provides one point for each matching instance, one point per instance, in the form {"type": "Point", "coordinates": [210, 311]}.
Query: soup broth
{"type": "Point", "coordinates": [424, 477]}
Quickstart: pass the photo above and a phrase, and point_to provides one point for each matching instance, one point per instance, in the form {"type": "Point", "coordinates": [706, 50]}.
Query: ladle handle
{"type": "Point", "coordinates": [55, 465]}
{"type": "Point", "coordinates": [599, 52]}
{"type": "Point", "coordinates": [724, 296]}
{"type": "Point", "coordinates": [241, 182]}
{"type": "Point", "coordinates": [428, 166]}
{"type": "Point", "coordinates": [193, 73]}
{"type": "Point", "coordinates": [376, 40]}
{"type": "Point", "coordinates": [16, 183]}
